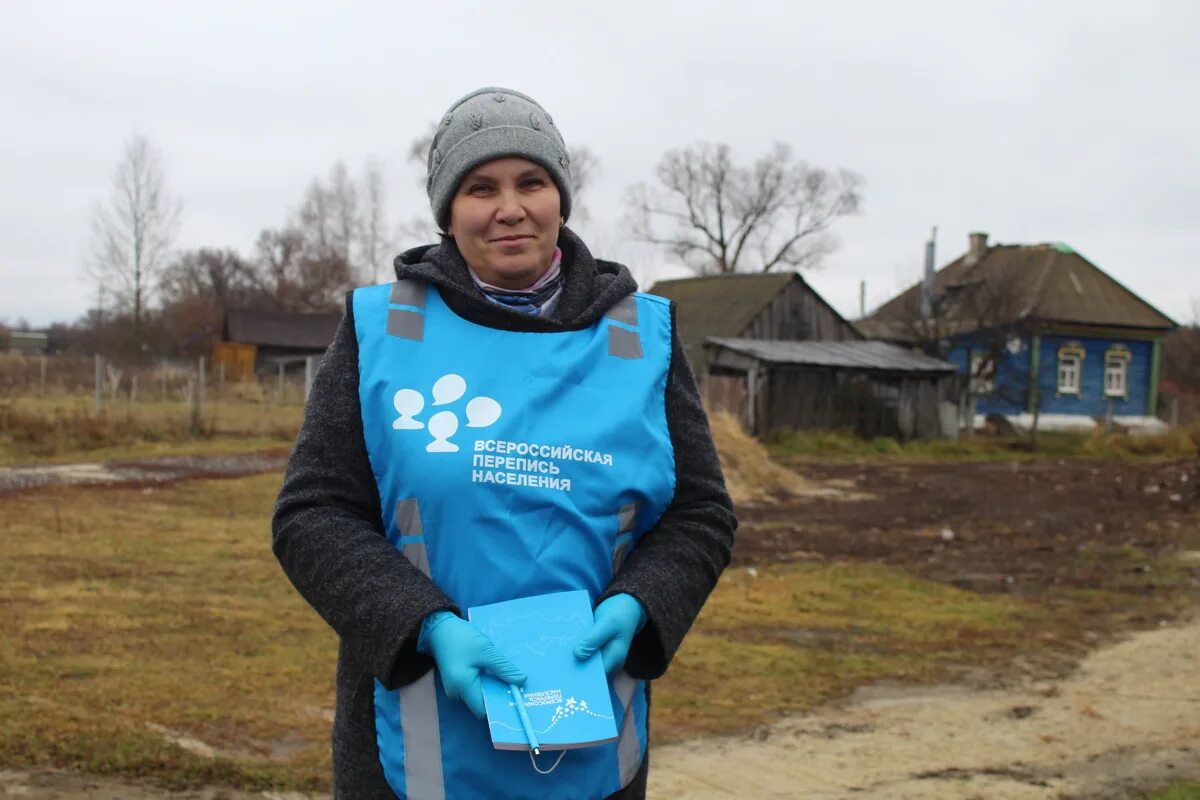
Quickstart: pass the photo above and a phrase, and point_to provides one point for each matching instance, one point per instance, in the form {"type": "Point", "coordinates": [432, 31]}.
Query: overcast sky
{"type": "Point", "coordinates": [1032, 121]}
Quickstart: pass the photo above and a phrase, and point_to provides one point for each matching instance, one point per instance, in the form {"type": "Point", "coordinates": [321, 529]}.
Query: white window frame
{"type": "Point", "coordinates": [982, 382]}
{"type": "Point", "coordinates": [1070, 370]}
{"type": "Point", "coordinates": [1116, 372]}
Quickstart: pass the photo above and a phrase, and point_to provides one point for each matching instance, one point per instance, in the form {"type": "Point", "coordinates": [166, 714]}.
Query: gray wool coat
{"type": "Point", "coordinates": [328, 533]}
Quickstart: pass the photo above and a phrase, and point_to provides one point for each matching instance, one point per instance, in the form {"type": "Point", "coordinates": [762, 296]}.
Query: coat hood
{"type": "Point", "coordinates": [590, 286]}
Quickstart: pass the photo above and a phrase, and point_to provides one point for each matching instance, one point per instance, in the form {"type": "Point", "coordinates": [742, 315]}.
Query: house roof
{"type": "Point", "coordinates": [1048, 283]}
{"type": "Point", "coordinates": [879, 356]}
{"type": "Point", "coordinates": [721, 305]}
{"type": "Point", "coordinates": [281, 328]}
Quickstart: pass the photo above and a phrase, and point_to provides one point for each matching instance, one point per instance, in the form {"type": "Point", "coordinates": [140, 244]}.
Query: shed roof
{"type": "Point", "coordinates": [1048, 283]}
{"type": "Point", "coordinates": [281, 328]}
{"type": "Point", "coordinates": [879, 356]}
{"type": "Point", "coordinates": [721, 305]}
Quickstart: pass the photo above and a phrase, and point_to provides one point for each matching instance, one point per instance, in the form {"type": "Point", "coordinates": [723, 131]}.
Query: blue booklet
{"type": "Point", "coordinates": [567, 700]}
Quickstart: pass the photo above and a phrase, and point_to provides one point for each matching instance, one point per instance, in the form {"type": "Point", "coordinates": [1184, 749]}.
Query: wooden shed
{"type": "Point", "coordinates": [265, 339]}
{"type": "Point", "coordinates": [872, 388]}
{"type": "Point", "coordinates": [755, 306]}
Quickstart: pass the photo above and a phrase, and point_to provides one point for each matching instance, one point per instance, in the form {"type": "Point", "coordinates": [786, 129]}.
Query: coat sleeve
{"type": "Point", "coordinates": [676, 564]}
{"type": "Point", "coordinates": [327, 530]}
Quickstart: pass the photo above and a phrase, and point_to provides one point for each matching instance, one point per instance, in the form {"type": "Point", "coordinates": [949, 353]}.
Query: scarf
{"type": "Point", "coordinates": [538, 300]}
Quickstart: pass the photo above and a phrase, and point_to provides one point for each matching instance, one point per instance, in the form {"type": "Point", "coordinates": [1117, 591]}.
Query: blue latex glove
{"type": "Point", "coordinates": [464, 655]}
{"type": "Point", "coordinates": [618, 619]}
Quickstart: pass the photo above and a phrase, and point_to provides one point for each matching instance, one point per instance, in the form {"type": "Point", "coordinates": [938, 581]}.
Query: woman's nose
{"type": "Point", "coordinates": [509, 208]}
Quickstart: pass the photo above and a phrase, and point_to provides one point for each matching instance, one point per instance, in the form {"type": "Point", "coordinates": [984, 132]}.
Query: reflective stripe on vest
{"type": "Point", "coordinates": [418, 700]}
{"type": "Point", "coordinates": [626, 523]}
{"type": "Point", "coordinates": [412, 534]}
{"type": "Point", "coordinates": [407, 322]}
{"type": "Point", "coordinates": [623, 339]}
{"type": "Point", "coordinates": [629, 749]}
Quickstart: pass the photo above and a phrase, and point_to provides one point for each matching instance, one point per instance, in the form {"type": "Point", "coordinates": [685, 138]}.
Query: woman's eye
{"type": "Point", "coordinates": [479, 188]}
{"type": "Point", "coordinates": [533, 183]}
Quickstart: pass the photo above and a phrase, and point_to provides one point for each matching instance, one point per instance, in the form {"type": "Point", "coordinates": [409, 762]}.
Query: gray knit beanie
{"type": "Point", "coordinates": [487, 124]}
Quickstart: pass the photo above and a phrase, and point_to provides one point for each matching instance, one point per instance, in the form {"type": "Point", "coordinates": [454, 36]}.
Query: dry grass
{"type": "Point", "coordinates": [788, 638]}
{"type": "Point", "coordinates": [750, 474]}
{"type": "Point", "coordinates": [55, 429]}
{"type": "Point", "coordinates": [133, 617]}
{"type": "Point", "coordinates": [149, 632]}
{"type": "Point", "coordinates": [1182, 442]}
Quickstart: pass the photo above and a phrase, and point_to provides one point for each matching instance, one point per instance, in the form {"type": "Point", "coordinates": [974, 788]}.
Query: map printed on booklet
{"type": "Point", "coordinates": [567, 700]}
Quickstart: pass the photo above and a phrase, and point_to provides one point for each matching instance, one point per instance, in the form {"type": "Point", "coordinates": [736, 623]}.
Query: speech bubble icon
{"type": "Point", "coordinates": [481, 412]}
{"type": "Point", "coordinates": [448, 389]}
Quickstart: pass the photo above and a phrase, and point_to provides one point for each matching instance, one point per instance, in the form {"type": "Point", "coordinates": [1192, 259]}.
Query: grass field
{"type": "Point", "coordinates": [1177, 443]}
{"type": "Point", "coordinates": [1184, 790]}
{"type": "Point", "coordinates": [149, 632]}
{"type": "Point", "coordinates": [57, 429]}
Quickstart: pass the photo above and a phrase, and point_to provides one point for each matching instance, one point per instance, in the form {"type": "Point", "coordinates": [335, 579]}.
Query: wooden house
{"type": "Point", "coordinates": [1038, 332]}
{"type": "Point", "coordinates": [769, 349]}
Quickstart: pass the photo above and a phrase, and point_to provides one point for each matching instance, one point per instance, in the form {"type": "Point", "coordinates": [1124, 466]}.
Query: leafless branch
{"type": "Point", "coordinates": [719, 214]}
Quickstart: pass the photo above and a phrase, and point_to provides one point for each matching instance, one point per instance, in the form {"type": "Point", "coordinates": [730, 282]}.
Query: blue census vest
{"type": "Point", "coordinates": [510, 464]}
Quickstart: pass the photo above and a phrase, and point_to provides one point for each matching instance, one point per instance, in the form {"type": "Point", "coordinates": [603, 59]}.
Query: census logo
{"type": "Point", "coordinates": [449, 389]}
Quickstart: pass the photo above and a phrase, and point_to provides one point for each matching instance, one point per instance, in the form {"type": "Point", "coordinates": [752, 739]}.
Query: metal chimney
{"type": "Point", "coordinates": [927, 283]}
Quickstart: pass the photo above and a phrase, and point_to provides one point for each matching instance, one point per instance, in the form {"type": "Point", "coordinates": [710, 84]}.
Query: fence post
{"type": "Point", "coordinates": [99, 380]}
{"type": "Point", "coordinates": [162, 377]}
{"type": "Point", "coordinates": [1174, 411]}
{"type": "Point", "coordinates": [308, 375]}
{"type": "Point", "coordinates": [198, 406]}
{"type": "Point", "coordinates": [279, 389]}
{"type": "Point", "coordinates": [42, 385]}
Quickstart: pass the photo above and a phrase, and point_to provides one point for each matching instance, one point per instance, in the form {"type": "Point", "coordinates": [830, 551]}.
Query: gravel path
{"type": "Point", "coordinates": [163, 469]}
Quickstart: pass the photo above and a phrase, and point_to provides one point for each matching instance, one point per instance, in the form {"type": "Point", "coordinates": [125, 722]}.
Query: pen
{"type": "Point", "coordinates": [525, 723]}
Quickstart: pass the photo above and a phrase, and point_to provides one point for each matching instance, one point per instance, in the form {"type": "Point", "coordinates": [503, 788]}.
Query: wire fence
{"type": "Point", "coordinates": [109, 382]}
{"type": "Point", "coordinates": [57, 405]}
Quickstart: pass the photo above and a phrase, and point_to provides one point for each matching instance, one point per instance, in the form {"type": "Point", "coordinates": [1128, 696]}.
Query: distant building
{"type": "Point", "coordinates": [770, 350]}
{"type": "Point", "coordinates": [1036, 330]}
{"type": "Point", "coordinates": [255, 340]}
{"type": "Point", "coordinates": [28, 343]}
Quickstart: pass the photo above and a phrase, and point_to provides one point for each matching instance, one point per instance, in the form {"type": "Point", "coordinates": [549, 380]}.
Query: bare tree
{"type": "Point", "coordinates": [721, 217]}
{"type": "Point", "coordinates": [418, 151]}
{"type": "Point", "coordinates": [197, 288]}
{"type": "Point", "coordinates": [373, 241]}
{"type": "Point", "coordinates": [584, 165]}
{"type": "Point", "coordinates": [133, 230]}
{"type": "Point", "coordinates": [989, 319]}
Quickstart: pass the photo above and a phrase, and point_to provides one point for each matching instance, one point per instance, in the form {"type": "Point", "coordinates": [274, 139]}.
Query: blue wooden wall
{"type": "Point", "coordinates": [1012, 377]}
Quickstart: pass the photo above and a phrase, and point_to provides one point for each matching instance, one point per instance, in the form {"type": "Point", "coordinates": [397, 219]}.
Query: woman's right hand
{"type": "Point", "coordinates": [463, 655]}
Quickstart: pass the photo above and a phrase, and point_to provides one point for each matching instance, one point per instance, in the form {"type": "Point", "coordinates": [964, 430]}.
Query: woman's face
{"type": "Point", "coordinates": [505, 218]}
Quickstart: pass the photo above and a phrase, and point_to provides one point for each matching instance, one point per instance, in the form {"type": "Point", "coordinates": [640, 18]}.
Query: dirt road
{"type": "Point", "coordinates": [1126, 721]}
{"type": "Point", "coordinates": [163, 469]}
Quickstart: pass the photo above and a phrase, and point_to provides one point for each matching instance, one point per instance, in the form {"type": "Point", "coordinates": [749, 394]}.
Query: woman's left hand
{"type": "Point", "coordinates": [618, 619]}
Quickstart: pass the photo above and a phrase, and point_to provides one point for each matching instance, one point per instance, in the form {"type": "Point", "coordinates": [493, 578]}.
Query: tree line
{"type": "Point", "coordinates": [712, 213]}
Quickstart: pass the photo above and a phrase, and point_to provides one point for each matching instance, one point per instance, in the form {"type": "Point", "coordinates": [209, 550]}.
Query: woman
{"type": "Point", "coordinates": [507, 419]}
